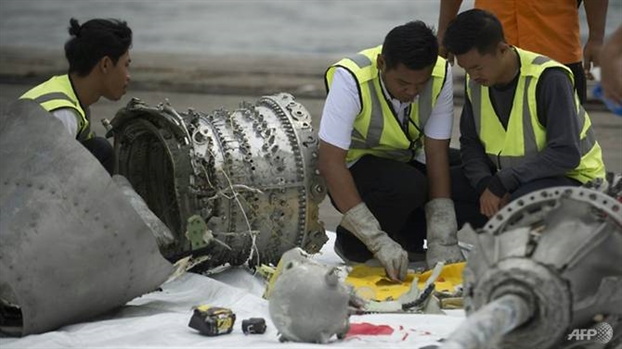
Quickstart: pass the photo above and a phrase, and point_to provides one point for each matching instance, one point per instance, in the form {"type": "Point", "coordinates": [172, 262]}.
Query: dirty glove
{"type": "Point", "coordinates": [361, 222]}
{"type": "Point", "coordinates": [442, 232]}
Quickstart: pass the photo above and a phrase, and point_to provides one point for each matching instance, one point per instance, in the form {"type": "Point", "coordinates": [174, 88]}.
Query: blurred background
{"type": "Point", "coordinates": [309, 27]}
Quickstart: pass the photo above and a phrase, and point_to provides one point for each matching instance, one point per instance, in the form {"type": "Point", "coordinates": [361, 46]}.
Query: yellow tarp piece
{"type": "Point", "coordinates": [372, 283]}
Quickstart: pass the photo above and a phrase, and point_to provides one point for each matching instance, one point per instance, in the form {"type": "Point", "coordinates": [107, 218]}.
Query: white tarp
{"type": "Point", "coordinates": [160, 319]}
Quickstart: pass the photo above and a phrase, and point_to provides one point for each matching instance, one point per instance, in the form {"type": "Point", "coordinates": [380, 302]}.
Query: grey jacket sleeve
{"type": "Point", "coordinates": [476, 165]}
{"type": "Point", "coordinates": [558, 114]}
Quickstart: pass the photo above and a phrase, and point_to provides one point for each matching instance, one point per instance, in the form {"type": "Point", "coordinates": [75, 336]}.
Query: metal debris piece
{"type": "Point", "coordinates": [199, 235]}
{"type": "Point", "coordinates": [163, 235]}
{"type": "Point", "coordinates": [251, 174]}
{"type": "Point", "coordinates": [547, 263]}
{"type": "Point", "coordinates": [72, 245]}
{"type": "Point", "coordinates": [493, 320]}
{"type": "Point", "coordinates": [309, 302]}
{"type": "Point", "coordinates": [413, 301]}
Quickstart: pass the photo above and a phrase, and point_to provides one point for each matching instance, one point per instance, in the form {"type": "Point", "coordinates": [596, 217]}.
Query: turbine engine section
{"type": "Point", "coordinates": [251, 175]}
{"type": "Point", "coordinates": [546, 266]}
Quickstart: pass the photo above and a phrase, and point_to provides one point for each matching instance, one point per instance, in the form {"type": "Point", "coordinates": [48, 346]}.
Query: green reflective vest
{"type": "Point", "coordinates": [57, 93]}
{"type": "Point", "coordinates": [525, 137]}
{"type": "Point", "coordinates": [377, 130]}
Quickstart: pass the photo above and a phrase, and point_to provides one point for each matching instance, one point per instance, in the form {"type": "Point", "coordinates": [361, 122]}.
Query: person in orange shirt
{"type": "Point", "coordinates": [549, 27]}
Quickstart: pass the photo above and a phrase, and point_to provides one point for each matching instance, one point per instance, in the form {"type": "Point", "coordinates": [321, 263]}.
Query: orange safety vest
{"type": "Point", "coordinates": [548, 27]}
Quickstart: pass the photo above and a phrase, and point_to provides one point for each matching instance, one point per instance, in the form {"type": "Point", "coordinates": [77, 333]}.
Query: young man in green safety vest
{"type": "Point", "coordinates": [384, 151]}
{"type": "Point", "coordinates": [522, 126]}
{"type": "Point", "coordinates": [99, 60]}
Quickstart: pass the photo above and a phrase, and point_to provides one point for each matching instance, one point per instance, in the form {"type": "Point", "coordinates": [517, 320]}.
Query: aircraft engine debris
{"type": "Point", "coordinates": [249, 174]}
{"type": "Point", "coordinates": [309, 302]}
{"type": "Point", "coordinates": [75, 242]}
{"type": "Point", "coordinates": [545, 265]}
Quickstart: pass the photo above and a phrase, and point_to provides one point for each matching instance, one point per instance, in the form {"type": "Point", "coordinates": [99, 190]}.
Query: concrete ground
{"type": "Point", "coordinates": [206, 83]}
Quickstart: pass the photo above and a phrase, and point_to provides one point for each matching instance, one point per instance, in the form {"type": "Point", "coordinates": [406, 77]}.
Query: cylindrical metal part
{"type": "Point", "coordinates": [489, 323]}
{"type": "Point", "coordinates": [250, 174]}
{"type": "Point", "coordinates": [557, 249]}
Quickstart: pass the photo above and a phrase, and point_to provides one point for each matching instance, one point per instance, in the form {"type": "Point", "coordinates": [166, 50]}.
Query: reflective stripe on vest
{"type": "Point", "coordinates": [524, 137]}
{"type": "Point", "coordinates": [376, 130]}
{"type": "Point", "coordinates": [53, 96]}
{"type": "Point", "coordinates": [57, 93]}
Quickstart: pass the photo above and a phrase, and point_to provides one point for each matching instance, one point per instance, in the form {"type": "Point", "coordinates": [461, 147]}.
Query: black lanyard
{"type": "Point", "coordinates": [404, 123]}
{"type": "Point", "coordinates": [406, 120]}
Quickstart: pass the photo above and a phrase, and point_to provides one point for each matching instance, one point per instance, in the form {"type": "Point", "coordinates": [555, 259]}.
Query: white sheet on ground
{"type": "Point", "coordinates": [160, 319]}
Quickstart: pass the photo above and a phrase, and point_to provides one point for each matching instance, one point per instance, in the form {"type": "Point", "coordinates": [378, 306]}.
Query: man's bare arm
{"type": "Point", "coordinates": [437, 161]}
{"type": "Point", "coordinates": [447, 12]}
{"type": "Point", "coordinates": [332, 164]}
{"type": "Point", "coordinates": [596, 13]}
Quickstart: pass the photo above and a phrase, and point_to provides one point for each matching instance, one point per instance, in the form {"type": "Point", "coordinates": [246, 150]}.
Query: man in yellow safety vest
{"type": "Point", "coordinates": [522, 126]}
{"type": "Point", "coordinates": [384, 151]}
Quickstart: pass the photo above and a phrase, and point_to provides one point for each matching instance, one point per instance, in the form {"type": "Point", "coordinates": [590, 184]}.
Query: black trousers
{"type": "Point", "coordinates": [395, 192]}
{"type": "Point", "coordinates": [102, 150]}
{"type": "Point", "coordinates": [466, 198]}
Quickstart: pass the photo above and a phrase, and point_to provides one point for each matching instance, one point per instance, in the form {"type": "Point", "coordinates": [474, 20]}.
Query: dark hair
{"type": "Point", "coordinates": [94, 40]}
{"type": "Point", "coordinates": [412, 44]}
{"type": "Point", "coordinates": [473, 29]}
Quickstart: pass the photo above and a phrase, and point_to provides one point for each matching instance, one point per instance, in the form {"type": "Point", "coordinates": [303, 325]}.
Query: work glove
{"type": "Point", "coordinates": [361, 222]}
{"type": "Point", "coordinates": [442, 232]}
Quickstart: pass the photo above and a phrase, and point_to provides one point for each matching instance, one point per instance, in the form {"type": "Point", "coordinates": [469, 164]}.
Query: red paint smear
{"type": "Point", "coordinates": [368, 329]}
